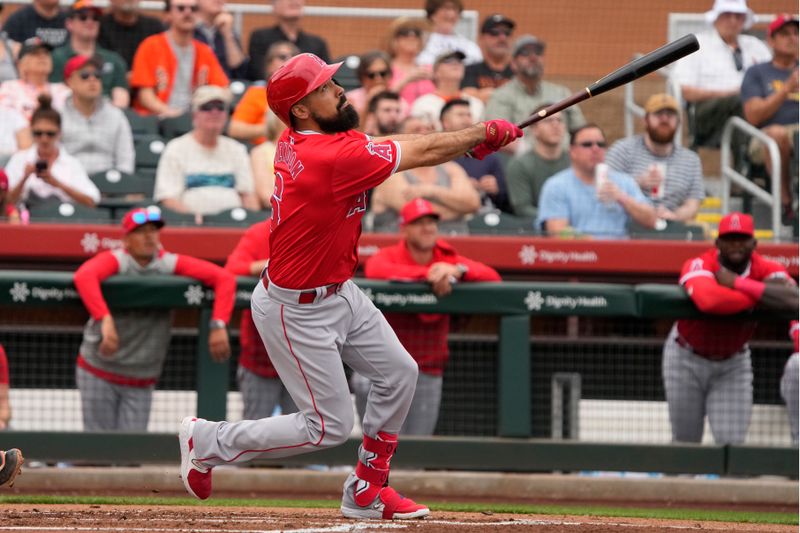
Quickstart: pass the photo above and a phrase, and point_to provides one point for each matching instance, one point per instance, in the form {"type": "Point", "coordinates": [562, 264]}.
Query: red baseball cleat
{"type": "Point", "coordinates": [196, 476]}
{"type": "Point", "coordinates": [388, 505]}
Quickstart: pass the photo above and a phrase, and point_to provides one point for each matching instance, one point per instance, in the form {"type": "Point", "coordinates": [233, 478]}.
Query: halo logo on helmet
{"type": "Point", "coordinates": [301, 75]}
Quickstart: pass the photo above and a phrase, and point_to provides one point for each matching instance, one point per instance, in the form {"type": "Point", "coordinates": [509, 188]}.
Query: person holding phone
{"type": "Point", "coordinates": [46, 170]}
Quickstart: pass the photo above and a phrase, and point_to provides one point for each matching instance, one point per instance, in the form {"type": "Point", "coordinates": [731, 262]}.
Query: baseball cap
{"type": "Point", "coordinates": [736, 224]}
{"type": "Point", "coordinates": [139, 216]}
{"type": "Point", "coordinates": [83, 5]}
{"type": "Point", "coordinates": [209, 93]}
{"type": "Point", "coordinates": [78, 62]}
{"type": "Point", "coordinates": [780, 21]}
{"type": "Point", "coordinates": [416, 209]}
{"type": "Point", "coordinates": [527, 40]}
{"type": "Point", "coordinates": [496, 20]}
{"type": "Point", "coordinates": [3, 180]}
{"type": "Point", "coordinates": [33, 45]}
{"type": "Point", "coordinates": [660, 101]}
{"type": "Point", "coordinates": [444, 56]}
{"type": "Point", "coordinates": [730, 6]}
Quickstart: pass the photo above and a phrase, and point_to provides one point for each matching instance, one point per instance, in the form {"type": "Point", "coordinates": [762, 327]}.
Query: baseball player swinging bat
{"type": "Point", "coordinates": [634, 70]}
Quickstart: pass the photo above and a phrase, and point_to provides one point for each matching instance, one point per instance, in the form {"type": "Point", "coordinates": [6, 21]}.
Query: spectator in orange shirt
{"type": "Point", "coordinates": [169, 66]}
{"type": "Point", "coordinates": [249, 119]}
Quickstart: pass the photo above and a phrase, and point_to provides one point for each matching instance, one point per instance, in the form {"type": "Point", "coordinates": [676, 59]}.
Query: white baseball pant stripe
{"type": "Point", "coordinates": [696, 387]}
{"type": "Point", "coordinates": [307, 344]}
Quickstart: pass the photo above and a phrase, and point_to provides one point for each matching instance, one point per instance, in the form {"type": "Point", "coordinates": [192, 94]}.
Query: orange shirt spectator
{"type": "Point", "coordinates": [252, 108]}
{"type": "Point", "coordinates": [154, 66]}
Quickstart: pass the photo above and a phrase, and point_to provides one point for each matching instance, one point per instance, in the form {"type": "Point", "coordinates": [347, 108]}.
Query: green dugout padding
{"type": "Point", "coordinates": [514, 302]}
{"type": "Point", "coordinates": [439, 453]}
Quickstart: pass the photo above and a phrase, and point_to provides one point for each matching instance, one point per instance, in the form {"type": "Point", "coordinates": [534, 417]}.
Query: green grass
{"type": "Point", "coordinates": [581, 510]}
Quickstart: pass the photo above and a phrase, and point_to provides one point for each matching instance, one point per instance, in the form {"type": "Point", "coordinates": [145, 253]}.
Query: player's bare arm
{"type": "Point", "coordinates": [777, 294]}
{"type": "Point", "coordinates": [437, 148]}
{"type": "Point", "coordinates": [110, 343]}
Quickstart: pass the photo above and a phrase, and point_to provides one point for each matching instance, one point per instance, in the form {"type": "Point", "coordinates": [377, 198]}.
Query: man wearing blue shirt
{"type": "Point", "coordinates": [573, 201]}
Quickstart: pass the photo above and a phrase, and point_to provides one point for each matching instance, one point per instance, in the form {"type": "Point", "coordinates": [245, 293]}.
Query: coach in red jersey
{"type": "Point", "coordinates": [121, 355]}
{"type": "Point", "coordinates": [421, 256]}
{"type": "Point", "coordinates": [258, 380]}
{"type": "Point", "coordinates": [309, 313]}
{"type": "Point", "coordinates": [706, 365]}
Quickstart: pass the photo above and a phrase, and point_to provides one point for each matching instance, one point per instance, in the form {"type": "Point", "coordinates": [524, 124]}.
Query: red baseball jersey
{"type": "Point", "coordinates": [321, 184]}
{"type": "Point", "coordinates": [721, 338]}
{"type": "Point", "coordinates": [424, 335]}
{"type": "Point", "coordinates": [3, 366]}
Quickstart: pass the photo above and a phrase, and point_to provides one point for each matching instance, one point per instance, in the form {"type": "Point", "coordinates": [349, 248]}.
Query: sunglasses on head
{"type": "Point", "coordinates": [142, 217]}
{"type": "Point", "coordinates": [184, 7]}
{"type": "Point", "coordinates": [497, 32]}
{"type": "Point", "coordinates": [214, 105]}
{"type": "Point", "coordinates": [83, 16]}
{"type": "Point", "coordinates": [45, 133]}
{"type": "Point", "coordinates": [378, 74]}
{"type": "Point", "coordinates": [589, 144]}
{"type": "Point", "coordinates": [86, 74]}
{"type": "Point", "coordinates": [408, 31]}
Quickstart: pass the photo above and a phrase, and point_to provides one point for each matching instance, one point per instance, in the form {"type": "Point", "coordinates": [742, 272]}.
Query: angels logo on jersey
{"type": "Point", "coordinates": [384, 151]}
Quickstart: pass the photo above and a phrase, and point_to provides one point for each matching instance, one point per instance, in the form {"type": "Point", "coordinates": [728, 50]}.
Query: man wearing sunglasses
{"type": "Point", "coordinates": [515, 100]}
{"type": "Point", "coordinates": [42, 18]}
{"type": "Point", "coordinates": [95, 131]}
{"type": "Point", "coordinates": [710, 79]}
{"type": "Point", "coordinates": [588, 199]}
{"type": "Point", "coordinates": [122, 354]}
{"type": "Point", "coordinates": [203, 172]}
{"type": "Point", "coordinates": [170, 66]}
{"type": "Point", "coordinates": [83, 23]}
{"type": "Point", "coordinates": [481, 79]}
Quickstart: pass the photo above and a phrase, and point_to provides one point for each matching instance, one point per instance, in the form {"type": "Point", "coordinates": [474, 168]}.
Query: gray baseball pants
{"type": "Point", "coordinates": [424, 411]}
{"type": "Point", "coordinates": [261, 395]}
{"type": "Point", "coordinates": [110, 407]}
{"type": "Point", "coordinates": [307, 344]}
{"type": "Point", "coordinates": [790, 391]}
{"type": "Point", "coordinates": [696, 387]}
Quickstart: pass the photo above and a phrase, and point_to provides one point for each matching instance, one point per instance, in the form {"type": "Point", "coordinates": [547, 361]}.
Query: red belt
{"type": "Point", "coordinates": [308, 297]}
{"type": "Point", "coordinates": [683, 343]}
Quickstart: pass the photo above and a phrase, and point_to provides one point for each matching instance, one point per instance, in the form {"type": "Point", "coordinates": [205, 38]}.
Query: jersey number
{"type": "Point", "coordinates": [277, 195]}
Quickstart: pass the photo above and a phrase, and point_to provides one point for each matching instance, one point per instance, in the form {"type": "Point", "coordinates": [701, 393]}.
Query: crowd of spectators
{"type": "Point", "coordinates": [105, 71]}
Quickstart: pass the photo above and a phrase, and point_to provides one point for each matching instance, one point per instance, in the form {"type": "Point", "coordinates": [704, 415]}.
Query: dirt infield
{"type": "Point", "coordinates": [97, 518]}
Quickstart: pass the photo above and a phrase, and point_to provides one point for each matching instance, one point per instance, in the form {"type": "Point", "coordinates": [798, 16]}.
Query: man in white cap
{"type": "Point", "coordinates": [710, 79]}
{"type": "Point", "coordinates": [203, 172]}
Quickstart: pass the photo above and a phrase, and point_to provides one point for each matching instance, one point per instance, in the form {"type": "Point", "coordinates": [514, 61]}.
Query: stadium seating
{"type": "Point", "coordinates": [672, 231]}
{"type": "Point", "coordinates": [237, 216]}
{"type": "Point", "coordinates": [148, 151]}
{"type": "Point", "coordinates": [346, 75]}
{"type": "Point", "coordinates": [175, 126]}
{"type": "Point", "coordinates": [62, 212]}
{"type": "Point", "coordinates": [141, 125]}
{"type": "Point", "coordinates": [499, 223]}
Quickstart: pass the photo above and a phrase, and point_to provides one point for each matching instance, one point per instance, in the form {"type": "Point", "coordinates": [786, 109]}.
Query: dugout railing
{"type": "Point", "coordinates": [517, 442]}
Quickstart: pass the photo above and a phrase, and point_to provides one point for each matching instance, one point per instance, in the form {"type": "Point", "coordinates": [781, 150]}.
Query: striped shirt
{"type": "Point", "coordinates": [684, 177]}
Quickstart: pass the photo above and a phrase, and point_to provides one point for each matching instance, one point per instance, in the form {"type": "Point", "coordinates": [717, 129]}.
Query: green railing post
{"type": "Point", "coordinates": [212, 377]}
{"type": "Point", "coordinates": [514, 377]}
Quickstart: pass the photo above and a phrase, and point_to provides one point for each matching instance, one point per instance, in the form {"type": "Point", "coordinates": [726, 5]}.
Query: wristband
{"type": "Point", "coordinates": [750, 287]}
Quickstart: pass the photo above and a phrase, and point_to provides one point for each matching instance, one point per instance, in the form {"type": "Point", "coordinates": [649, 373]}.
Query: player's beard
{"type": "Point", "coordinates": [345, 120]}
{"type": "Point", "coordinates": [661, 134]}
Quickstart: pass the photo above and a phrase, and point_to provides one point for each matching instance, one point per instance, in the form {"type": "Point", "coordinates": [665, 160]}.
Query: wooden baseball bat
{"type": "Point", "coordinates": [634, 70]}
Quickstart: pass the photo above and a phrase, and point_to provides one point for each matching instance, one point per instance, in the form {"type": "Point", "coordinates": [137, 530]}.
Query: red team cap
{"type": "Point", "coordinates": [78, 62]}
{"type": "Point", "coordinates": [138, 217]}
{"type": "Point", "coordinates": [780, 21]}
{"type": "Point", "coordinates": [3, 180]}
{"type": "Point", "coordinates": [295, 79]}
{"type": "Point", "coordinates": [416, 209]}
{"type": "Point", "coordinates": [736, 224]}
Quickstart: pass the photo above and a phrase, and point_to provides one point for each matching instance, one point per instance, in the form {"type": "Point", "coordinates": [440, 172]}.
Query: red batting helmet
{"type": "Point", "coordinates": [298, 77]}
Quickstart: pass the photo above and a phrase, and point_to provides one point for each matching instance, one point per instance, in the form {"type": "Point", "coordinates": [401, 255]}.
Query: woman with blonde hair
{"type": "Point", "coordinates": [405, 40]}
